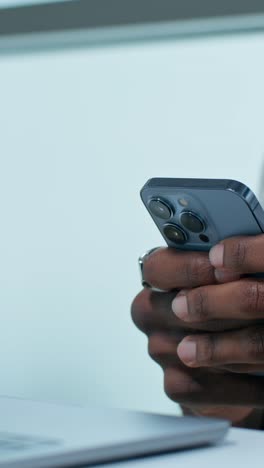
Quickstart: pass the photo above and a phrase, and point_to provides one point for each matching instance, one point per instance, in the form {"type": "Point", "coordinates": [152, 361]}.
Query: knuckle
{"type": "Point", "coordinates": [206, 349]}
{"type": "Point", "coordinates": [141, 311]}
{"type": "Point", "coordinates": [150, 268]}
{"type": "Point", "coordinates": [170, 383]}
{"type": "Point", "coordinates": [156, 346]}
{"type": "Point", "coordinates": [237, 254]}
{"type": "Point", "coordinates": [198, 304]}
{"type": "Point", "coordinates": [162, 348]}
{"type": "Point", "coordinates": [199, 271]}
{"type": "Point", "coordinates": [256, 343]}
{"type": "Point", "coordinates": [179, 387]}
{"type": "Point", "coordinates": [252, 294]}
{"type": "Point", "coordinates": [192, 273]}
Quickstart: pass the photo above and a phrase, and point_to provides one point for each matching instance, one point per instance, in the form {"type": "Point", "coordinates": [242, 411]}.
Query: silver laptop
{"type": "Point", "coordinates": [34, 434]}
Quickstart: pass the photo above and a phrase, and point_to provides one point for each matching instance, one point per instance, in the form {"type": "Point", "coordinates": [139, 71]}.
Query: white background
{"type": "Point", "coordinates": [80, 133]}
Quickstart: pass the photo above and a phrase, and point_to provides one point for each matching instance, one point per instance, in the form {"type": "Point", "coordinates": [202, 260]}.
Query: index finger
{"type": "Point", "coordinates": [168, 269]}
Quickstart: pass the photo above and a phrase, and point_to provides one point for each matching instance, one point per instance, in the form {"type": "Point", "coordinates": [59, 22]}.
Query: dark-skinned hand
{"type": "Point", "coordinates": [212, 321]}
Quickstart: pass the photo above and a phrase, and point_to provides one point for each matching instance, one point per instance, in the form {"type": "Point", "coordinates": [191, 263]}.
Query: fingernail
{"type": "Point", "coordinates": [225, 276]}
{"type": "Point", "coordinates": [216, 255]}
{"type": "Point", "coordinates": [180, 307]}
{"type": "Point", "coordinates": [187, 352]}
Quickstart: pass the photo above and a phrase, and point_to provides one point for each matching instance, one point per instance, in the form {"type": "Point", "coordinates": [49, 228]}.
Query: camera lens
{"type": "Point", "coordinates": [160, 209]}
{"type": "Point", "coordinates": [175, 234]}
{"type": "Point", "coordinates": [191, 222]}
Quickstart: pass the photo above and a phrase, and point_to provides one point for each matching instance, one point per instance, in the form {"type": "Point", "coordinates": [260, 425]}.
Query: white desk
{"type": "Point", "coordinates": [242, 448]}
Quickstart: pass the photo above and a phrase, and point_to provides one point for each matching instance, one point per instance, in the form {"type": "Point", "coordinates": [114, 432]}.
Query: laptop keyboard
{"type": "Point", "coordinates": [14, 443]}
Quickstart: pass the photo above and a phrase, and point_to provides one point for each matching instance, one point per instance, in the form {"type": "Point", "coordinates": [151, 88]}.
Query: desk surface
{"type": "Point", "coordinates": [243, 447]}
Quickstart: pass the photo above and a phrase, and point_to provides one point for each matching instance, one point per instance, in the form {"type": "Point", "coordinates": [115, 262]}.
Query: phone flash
{"type": "Point", "coordinates": [183, 202]}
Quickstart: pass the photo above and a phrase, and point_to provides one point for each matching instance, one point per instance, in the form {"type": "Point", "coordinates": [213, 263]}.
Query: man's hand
{"type": "Point", "coordinates": [214, 325]}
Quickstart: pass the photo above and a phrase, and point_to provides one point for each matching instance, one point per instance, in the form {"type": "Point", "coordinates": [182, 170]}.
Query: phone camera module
{"type": "Point", "coordinates": [183, 202]}
{"type": "Point", "coordinates": [192, 222]}
{"type": "Point", "coordinates": [175, 234]}
{"type": "Point", "coordinates": [160, 209]}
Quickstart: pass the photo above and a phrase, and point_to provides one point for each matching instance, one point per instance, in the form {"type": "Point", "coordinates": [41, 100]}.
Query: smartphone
{"type": "Point", "coordinates": [195, 214]}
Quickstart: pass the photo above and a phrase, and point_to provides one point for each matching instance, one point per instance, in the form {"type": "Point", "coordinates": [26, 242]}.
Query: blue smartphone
{"type": "Point", "coordinates": [195, 214]}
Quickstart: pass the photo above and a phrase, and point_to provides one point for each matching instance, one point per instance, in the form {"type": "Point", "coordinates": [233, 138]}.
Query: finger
{"type": "Point", "coordinates": [225, 276]}
{"type": "Point", "coordinates": [220, 349]}
{"type": "Point", "coordinates": [252, 369]}
{"type": "Point", "coordinates": [240, 300]}
{"type": "Point", "coordinates": [167, 269]}
{"type": "Point", "coordinates": [153, 312]}
{"type": "Point", "coordinates": [162, 348]}
{"type": "Point", "coordinates": [213, 389]}
{"type": "Point", "coordinates": [236, 414]}
{"type": "Point", "coordinates": [239, 254]}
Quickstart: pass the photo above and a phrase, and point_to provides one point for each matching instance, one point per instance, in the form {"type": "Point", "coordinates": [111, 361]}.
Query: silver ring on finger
{"type": "Point", "coordinates": [141, 261]}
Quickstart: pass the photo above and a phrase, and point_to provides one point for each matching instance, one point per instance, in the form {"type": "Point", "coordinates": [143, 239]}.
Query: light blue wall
{"type": "Point", "coordinates": [80, 132]}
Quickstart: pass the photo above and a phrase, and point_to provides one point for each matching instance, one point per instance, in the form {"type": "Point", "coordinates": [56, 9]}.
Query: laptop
{"type": "Point", "coordinates": [34, 434]}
